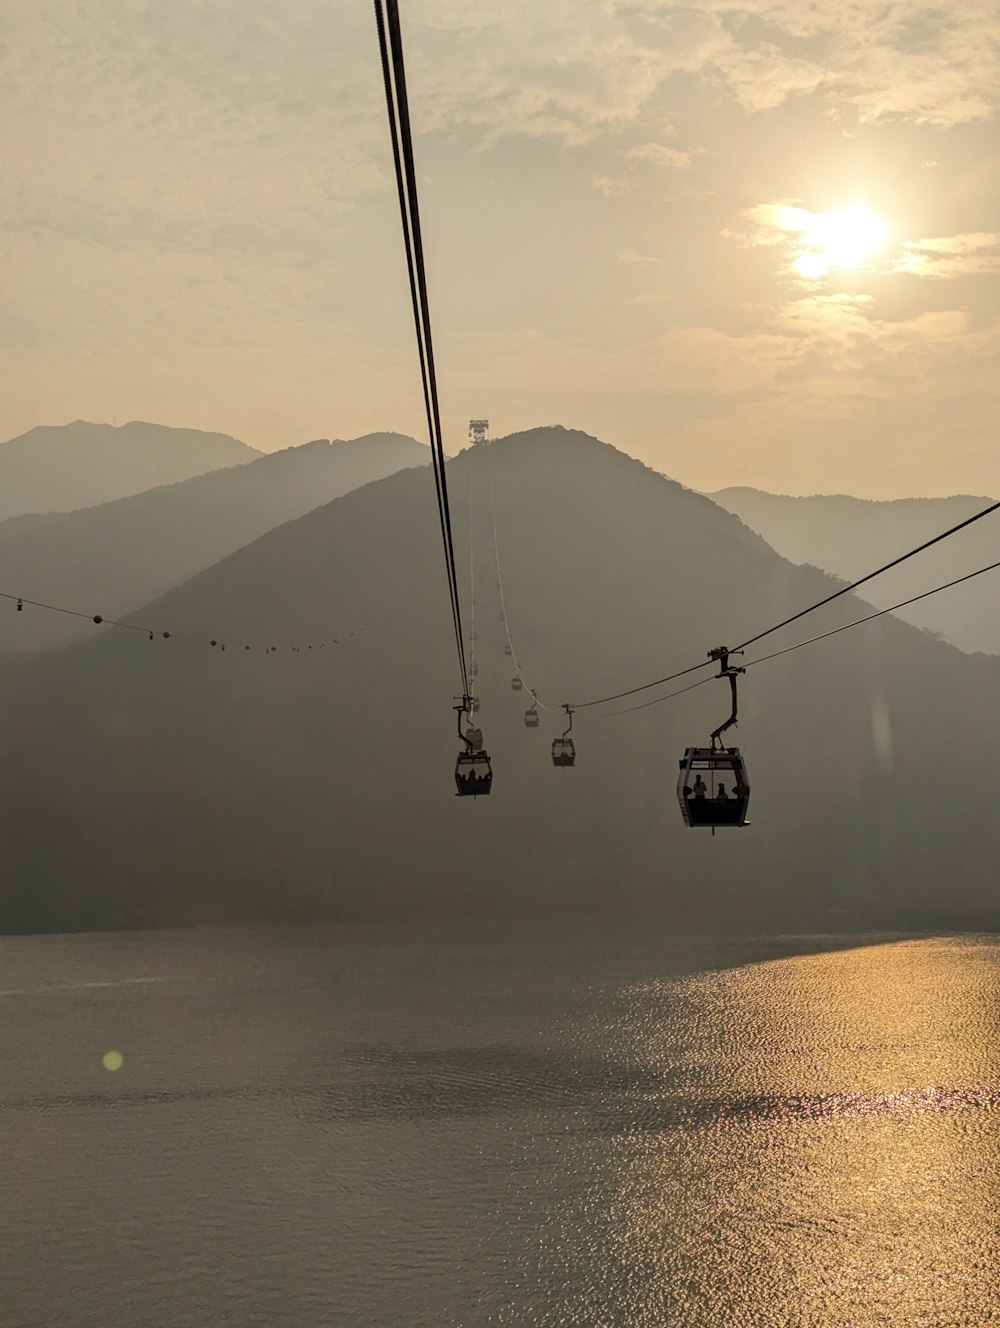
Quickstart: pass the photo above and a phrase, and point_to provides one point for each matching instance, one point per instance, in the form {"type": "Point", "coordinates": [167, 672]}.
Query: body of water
{"type": "Point", "coordinates": [324, 1127]}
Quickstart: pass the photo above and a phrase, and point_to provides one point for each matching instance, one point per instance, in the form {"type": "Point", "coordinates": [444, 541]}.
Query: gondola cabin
{"type": "Point", "coordinates": [473, 775]}
{"type": "Point", "coordinates": [516, 684]}
{"type": "Point", "coordinates": [713, 788]}
{"type": "Point", "coordinates": [507, 650]}
{"type": "Point", "coordinates": [563, 751]}
{"type": "Point", "coordinates": [474, 737]}
{"type": "Point", "coordinates": [531, 718]}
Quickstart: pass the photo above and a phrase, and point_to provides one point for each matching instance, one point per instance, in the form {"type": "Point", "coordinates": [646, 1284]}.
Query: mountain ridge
{"type": "Point", "coordinates": [118, 555]}
{"type": "Point", "coordinates": [54, 468]}
{"type": "Point", "coordinates": [160, 783]}
{"type": "Point", "coordinates": [848, 537]}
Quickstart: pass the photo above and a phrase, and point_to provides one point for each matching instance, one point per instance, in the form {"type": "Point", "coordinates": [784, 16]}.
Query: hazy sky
{"type": "Point", "coordinates": [624, 204]}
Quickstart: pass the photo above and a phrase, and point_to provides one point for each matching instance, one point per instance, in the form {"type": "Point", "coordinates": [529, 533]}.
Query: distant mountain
{"type": "Point", "coordinates": [56, 468]}
{"type": "Point", "coordinates": [114, 557]}
{"type": "Point", "coordinates": [852, 536]}
{"type": "Point", "coordinates": [164, 783]}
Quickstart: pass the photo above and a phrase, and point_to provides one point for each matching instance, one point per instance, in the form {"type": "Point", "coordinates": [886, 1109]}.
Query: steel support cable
{"type": "Point", "coordinates": [978, 516]}
{"type": "Point", "coordinates": [845, 627]}
{"type": "Point", "coordinates": [844, 590]}
{"type": "Point", "coordinates": [503, 603]}
{"type": "Point", "coordinates": [472, 599]}
{"type": "Point", "coordinates": [100, 620]}
{"type": "Point", "coordinates": [397, 107]}
{"type": "Point", "coordinates": [872, 616]}
{"type": "Point", "coordinates": [408, 247]}
{"type": "Point", "coordinates": [405, 209]}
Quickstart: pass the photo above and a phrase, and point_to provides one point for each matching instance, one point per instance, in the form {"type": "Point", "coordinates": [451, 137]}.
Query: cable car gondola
{"type": "Point", "coordinates": [516, 684]}
{"type": "Point", "coordinates": [713, 787]}
{"type": "Point", "coordinates": [507, 650]}
{"type": "Point", "coordinates": [531, 717]}
{"type": "Point", "coordinates": [473, 771]}
{"type": "Point", "coordinates": [563, 748]}
{"type": "Point", "coordinates": [473, 775]}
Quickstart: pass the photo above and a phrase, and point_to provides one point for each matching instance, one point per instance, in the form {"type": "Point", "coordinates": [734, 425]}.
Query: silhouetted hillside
{"type": "Point", "coordinates": [851, 536]}
{"type": "Point", "coordinates": [120, 555]}
{"type": "Point", "coordinates": [56, 468]}
{"type": "Point", "coordinates": [149, 783]}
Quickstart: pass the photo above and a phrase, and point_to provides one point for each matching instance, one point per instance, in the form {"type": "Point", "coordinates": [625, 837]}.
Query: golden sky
{"type": "Point", "coordinates": [752, 243]}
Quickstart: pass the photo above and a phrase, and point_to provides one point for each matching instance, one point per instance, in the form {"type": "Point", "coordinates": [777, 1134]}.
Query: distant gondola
{"type": "Point", "coordinates": [473, 771]}
{"type": "Point", "coordinates": [516, 684]}
{"type": "Point", "coordinates": [531, 718]}
{"type": "Point", "coordinates": [563, 748]}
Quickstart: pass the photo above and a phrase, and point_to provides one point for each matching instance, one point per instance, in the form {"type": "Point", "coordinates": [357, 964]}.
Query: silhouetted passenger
{"type": "Point", "coordinates": [722, 792]}
{"type": "Point", "coordinates": [700, 787]}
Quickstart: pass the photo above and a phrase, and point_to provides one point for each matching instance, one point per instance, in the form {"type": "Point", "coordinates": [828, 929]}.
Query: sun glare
{"type": "Point", "coordinates": [829, 241]}
{"type": "Point", "coordinates": [848, 236]}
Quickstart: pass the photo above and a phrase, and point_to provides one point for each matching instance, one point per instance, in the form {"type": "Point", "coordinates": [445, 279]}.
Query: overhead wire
{"type": "Point", "coordinates": [834, 631]}
{"type": "Point", "coordinates": [22, 601]}
{"type": "Point", "coordinates": [536, 699]}
{"type": "Point", "coordinates": [473, 670]}
{"type": "Point", "coordinates": [844, 590]}
{"type": "Point", "coordinates": [991, 567]}
{"type": "Point", "coordinates": [886, 567]}
{"type": "Point", "coordinates": [397, 108]}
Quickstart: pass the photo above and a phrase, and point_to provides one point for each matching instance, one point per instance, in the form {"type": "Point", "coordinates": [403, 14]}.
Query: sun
{"type": "Point", "coordinates": [843, 239]}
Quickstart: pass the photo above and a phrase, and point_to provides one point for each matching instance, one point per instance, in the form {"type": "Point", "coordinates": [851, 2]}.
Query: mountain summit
{"type": "Point", "coordinates": [158, 782]}
{"type": "Point", "coordinates": [122, 554]}
{"type": "Point", "coordinates": [56, 468]}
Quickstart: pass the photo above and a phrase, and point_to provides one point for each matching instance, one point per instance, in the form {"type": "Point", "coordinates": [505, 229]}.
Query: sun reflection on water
{"type": "Point", "coordinates": [832, 1157]}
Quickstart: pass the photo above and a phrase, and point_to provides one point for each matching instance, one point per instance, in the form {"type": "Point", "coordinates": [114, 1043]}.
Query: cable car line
{"type": "Point", "coordinates": [644, 705]}
{"type": "Point", "coordinates": [845, 627]}
{"type": "Point", "coordinates": [844, 590]}
{"type": "Point", "coordinates": [519, 676]}
{"type": "Point", "coordinates": [397, 108]}
{"type": "Point", "coordinates": [871, 616]}
{"type": "Point", "coordinates": [618, 696]}
{"type": "Point", "coordinates": [21, 601]}
{"type": "Point", "coordinates": [473, 735]}
{"type": "Point", "coordinates": [871, 575]}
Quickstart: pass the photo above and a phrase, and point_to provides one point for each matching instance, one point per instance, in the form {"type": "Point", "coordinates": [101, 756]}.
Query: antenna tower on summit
{"type": "Point", "coordinates": [479, 432]}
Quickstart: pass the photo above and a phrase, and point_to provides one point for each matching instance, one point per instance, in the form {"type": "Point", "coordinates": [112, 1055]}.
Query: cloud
{"type": "Point", "coordinates": [199, 198]}
{"type": "Point", "coordinates": [816, 245]}
{"type": "Point", "coordinates": [969, 255]}
{"type": "Point", "coordinates": [608, 185]}
{"type": "Point", "coordinates": [902, 60]}
{"type": "Point", "coordinates": [596, 68]}
{"type": "Point", "coordinates": [659, 154]}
